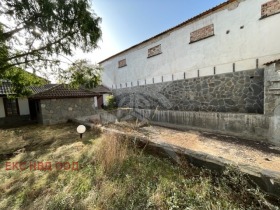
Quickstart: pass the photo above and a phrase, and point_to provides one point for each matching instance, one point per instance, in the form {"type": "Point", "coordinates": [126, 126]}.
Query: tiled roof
{"type": "Point", "coordinates": [63, 91]}
{"type": "Point", "coordinates": [38, 89]}
{"type": "Point", "coordinates": [207, 12]}
{"type": "Point", "coordinates": [271, 62]}
{"type": "Point", "coordinates": [5, 87]}
{"type": "Point", "coordinates": [55, 91]}
{"type": "Point", "coordinates": [101, 89]}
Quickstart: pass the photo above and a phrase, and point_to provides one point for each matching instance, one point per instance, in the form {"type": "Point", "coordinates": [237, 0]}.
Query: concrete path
{"type": "Point", "coordinates": [260, 161]}
{"type": "Point", "coordinates": [239, 151]}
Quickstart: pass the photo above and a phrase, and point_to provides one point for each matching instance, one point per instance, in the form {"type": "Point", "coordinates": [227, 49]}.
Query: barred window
{"type": "Point", "coordinates": [11, 107]}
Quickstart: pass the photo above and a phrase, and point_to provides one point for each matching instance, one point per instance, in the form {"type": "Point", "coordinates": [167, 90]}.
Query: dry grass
{"type": "Point", "coordinates": [37, 137]}
{"type": "Point", "coordinates": [113, 174]}
{"type": "Point", "coordinates": [111, 153]}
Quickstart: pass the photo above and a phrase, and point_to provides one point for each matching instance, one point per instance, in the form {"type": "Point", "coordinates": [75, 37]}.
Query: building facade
{"type": "Point", "coordinates": [218, 71]}
{"type": "Point", "coordinates": [237, 35]}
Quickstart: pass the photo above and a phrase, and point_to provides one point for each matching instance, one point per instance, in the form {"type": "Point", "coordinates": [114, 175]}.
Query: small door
{"type": "Point", "coordinates": [100, 102]}
{"type": "Point", "coordinates": [33, 108]}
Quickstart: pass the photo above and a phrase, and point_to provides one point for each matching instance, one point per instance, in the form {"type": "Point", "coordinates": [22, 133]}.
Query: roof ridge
{"type": "Point", "coordinates": [69, 87]}
{"type": "Point", "coordinates": [48, 89]}
{"type": "Point", "coordinates": [86, 89]}
{"type": "Point", "coordinates": [91, 89]}
{"type": "Point", "coordinates": [54, 87]}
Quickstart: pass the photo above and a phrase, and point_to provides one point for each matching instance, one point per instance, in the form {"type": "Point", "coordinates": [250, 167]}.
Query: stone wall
{"type": "Point", "coordinates": [60, 110]}
{"type": "Point", "coordinates": [240, 92]}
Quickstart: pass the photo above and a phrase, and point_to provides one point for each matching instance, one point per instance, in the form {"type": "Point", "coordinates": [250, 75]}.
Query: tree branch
{"type": "Point", "coordinates": [3, 68]}
{"type": "Point", "coordinates": [8, 35]}
{"type": "Point", "coordinates": [41, 48]}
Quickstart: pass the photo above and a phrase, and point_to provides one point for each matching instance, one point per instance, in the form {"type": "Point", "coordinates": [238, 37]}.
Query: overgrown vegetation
{"type": "Point", "coordinates": [22, 80]}
{"type": "Point", "coordinates": [113, 174]}
{"type": "Point", "coordinates": [81, 73]}
{"type": "Point", "coordinates": [111, 102]}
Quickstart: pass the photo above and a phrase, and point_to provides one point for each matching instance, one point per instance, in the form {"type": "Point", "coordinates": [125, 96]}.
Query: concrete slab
{"type": "Point", "coordinates": [210, 151]}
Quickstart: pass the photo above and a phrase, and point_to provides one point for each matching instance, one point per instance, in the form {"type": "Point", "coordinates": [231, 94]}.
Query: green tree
{"type": "Point", "coordinates": [3, 50]}
{"type": "Point", "coordinates": [81, 73]}
{"type": "Point", "coordinates": [22, 80]}
{"type": "Point", "coordinates": [111, 102]}
{"type": "Point", "coordinates": [34, 34]}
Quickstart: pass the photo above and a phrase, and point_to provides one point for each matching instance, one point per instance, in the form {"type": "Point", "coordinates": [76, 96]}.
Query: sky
{"type": "Point", "coordinates": [129, 22]}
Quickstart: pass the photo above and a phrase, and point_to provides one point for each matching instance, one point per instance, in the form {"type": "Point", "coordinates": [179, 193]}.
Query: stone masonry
{"type": "Point", "coordinates": [60, 110]}
{"type": "Point", "coordinates": [238, 92]}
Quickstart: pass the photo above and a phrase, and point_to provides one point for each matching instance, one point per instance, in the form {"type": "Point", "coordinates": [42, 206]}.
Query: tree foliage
{"type": "Point", "coordinates": [34, 33]}
{"type": "Point", "coordinates": [21, 81]}
{"type": "Point", "coordinates": [81, 73]}
{"type": "Point", "coordinates": [111, 102]}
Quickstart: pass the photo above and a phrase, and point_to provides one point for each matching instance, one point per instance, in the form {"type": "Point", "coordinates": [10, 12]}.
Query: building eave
{"type": "Point", "coordinates": [61, 97]}
{"type": "Point", "coordinates": [271, 62]}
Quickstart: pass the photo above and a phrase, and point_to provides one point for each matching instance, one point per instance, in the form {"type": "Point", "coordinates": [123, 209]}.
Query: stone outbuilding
{"type": "Point", "coordinates": [60, 103]}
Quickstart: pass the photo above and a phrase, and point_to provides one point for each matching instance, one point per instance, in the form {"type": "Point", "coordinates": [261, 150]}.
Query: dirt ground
{"type": "Point", "coordinates": [239, 151]}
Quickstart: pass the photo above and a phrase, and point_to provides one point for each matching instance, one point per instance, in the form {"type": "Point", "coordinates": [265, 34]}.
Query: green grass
{"type": "Point", "coordinates": [113, 174]}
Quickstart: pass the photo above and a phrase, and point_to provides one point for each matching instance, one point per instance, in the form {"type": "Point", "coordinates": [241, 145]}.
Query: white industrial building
{"type": "Point", "coordinates": [236, 35]}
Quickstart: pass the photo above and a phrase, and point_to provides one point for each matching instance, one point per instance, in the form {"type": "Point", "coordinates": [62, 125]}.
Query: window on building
{"type": "Point", "coordinates": [270, 8]}
{"type": "Point", "coordinates": [11, 107]}
{"type": "Point", "coordinates": [202, 33]}
{"type": "Point", "coordinates": [122, 63]}
{"type": "Point", "coordinates": [154, 51]}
